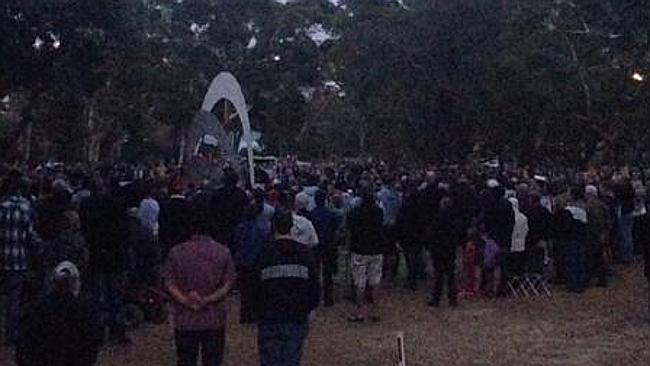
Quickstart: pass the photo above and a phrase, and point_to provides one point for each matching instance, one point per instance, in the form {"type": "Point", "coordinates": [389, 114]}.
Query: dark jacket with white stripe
{"type": "Point", "coordinates": [288, 287]}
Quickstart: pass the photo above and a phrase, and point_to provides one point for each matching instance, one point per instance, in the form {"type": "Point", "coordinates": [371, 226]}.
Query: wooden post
{"type": "Point", "coordinates": [401, 354]}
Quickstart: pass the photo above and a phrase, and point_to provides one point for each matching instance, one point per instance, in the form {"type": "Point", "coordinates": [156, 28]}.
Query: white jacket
{"type": "Point", "coordinates": [303, 231]}
{"type": "Point", "coordinates": [520, 230]}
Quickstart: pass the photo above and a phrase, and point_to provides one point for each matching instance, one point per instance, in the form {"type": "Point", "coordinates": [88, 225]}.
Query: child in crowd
{"type": "Point", "coordinates": [490, 265]}
{"type": "Point", "coordinates": [471, 282]}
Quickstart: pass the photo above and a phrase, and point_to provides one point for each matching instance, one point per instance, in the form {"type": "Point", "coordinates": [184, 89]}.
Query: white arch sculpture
{"type": "Point", "coordinates": [225, 86]}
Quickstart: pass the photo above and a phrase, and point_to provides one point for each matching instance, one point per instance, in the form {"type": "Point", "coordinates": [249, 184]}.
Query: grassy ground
{"type": "Point", "coordinates": [600, 327]}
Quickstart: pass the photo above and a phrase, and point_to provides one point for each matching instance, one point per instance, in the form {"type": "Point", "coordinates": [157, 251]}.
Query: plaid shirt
{"type": "Point", "coordinates": [16, 233]}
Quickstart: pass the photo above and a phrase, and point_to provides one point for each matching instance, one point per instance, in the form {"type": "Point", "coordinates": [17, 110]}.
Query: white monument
{"type": "Point", "coordinates": [206, 124]}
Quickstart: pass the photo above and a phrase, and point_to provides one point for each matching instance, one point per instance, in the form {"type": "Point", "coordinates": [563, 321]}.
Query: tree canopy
{"type": "Point", "coordinates": [418, 80]}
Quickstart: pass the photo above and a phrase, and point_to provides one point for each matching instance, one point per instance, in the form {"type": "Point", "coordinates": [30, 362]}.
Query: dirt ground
{"type": "Point", "coordinates": [600, 327]}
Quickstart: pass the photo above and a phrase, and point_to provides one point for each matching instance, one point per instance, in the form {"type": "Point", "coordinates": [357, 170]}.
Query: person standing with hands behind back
{"type": "Point", "coordinates": [198, 275]}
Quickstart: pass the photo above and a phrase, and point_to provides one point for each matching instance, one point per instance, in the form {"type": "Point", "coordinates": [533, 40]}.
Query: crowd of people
{"type": "Point", "coordinates": [74, 242]}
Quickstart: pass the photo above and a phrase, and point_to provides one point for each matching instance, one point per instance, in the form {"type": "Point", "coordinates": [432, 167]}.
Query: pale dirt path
{"type": "Point", "coordinates": [600, 327]}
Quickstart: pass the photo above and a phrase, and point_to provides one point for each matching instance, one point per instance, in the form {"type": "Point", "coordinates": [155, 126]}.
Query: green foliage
{"type": "Point", "coordinates": [413, 80]}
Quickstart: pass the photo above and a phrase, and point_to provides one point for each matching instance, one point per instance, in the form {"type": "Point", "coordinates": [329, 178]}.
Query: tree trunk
{"type": "Point", "coordinates": [363, 136]}
{"type": "Point", "coordinates": [28, 140]}
{"type": "Point", "coordinates": [93, 137]}
{"type": "Point", "coordinates": [115, 152]}
{"type": "Point", "coordinates": [582, 75]}
{"type": "Point", "coordinates": [23, 134]}
{"type": "Point", "coordinates": [181, 146]}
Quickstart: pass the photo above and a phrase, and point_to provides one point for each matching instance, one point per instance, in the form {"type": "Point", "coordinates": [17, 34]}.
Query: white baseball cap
{"type": "Point", "coordinates": [591, 190]}
{"type": "Point", "coordinates": [492, 183]}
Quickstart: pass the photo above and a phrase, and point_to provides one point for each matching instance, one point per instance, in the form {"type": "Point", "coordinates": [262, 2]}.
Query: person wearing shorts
{"type": "Point", "coordinates": [366, 245]}
{"type": "Point", "coordinates": [366, 270]}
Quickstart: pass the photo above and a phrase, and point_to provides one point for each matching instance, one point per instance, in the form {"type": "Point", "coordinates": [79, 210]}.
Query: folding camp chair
{"type": "Point", "coordinates": [538, 284]}
{"type": "Point", "coordinates": [527, 273]}
{"type": "Point", "coordinates": [518, 286]}
{"type": "Point", "coordinates": [515, 268]}
{"type": "Point", "coordinates": [535, 276]}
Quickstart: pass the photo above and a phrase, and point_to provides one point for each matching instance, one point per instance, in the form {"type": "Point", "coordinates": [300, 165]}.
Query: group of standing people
{"type": "Point", "coordinates": [70, 252]}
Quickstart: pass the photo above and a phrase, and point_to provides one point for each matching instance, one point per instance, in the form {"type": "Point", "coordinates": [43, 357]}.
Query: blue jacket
{"type": "Point", "coordinates": [326, 223]}
{"type": "Point", "coordinates": [391, 203]}
{"type": "Point", "coordinates": [250, 237]}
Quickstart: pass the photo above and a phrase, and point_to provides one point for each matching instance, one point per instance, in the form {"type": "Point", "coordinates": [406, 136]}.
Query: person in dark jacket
{"type": "Point", "coordinates": [50, 212]}
{"type": "Point", "coordinates": [390, 201]}
{"type": "Point", "coordinates": [227, 204]}
{"type": "Point", "coordinates": [144, 252]}
{"type": "Point", "coordinates": [429, 198]}
{"type": "Point", "coordinates": [410, 238]}
{"type": "Point", "coordinates": [70, 245]}
{"type": "Point", "coordinates": [466, 203]}
{"type": "Point", "coordinates": [597, 232]}
{"type": "Point", "coordinates": [326, 223]}
{"type": "Point", "coordinates": [251, 236]}
{"type": "Point", "coordinates": [61, 329]}
{"type": "Point", "coordinates": [105, 226]}
{"type": "Point", "coordinates": [625, 196]}
{"type": "Point", "coordinates": [646, 256]}
{"type": "Point", "coordinates": [365, 223]}
{"type": "Point", "coordinates": [498, 216]}
{"type": "Point", "coordinates": [644, 241]}
{"type": "Point", "coordinates": [288, 292]}
{"type": "Point", "coordinates": [444, 240]}
{"type": "Point", "coordinates": [540, 225]}
{"type": "Point", "coordinates": [174, 220]}
{"type": "Point", "coordinates": [572, 232]}
{"type": "Point", "coordinates": [498, 219]}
